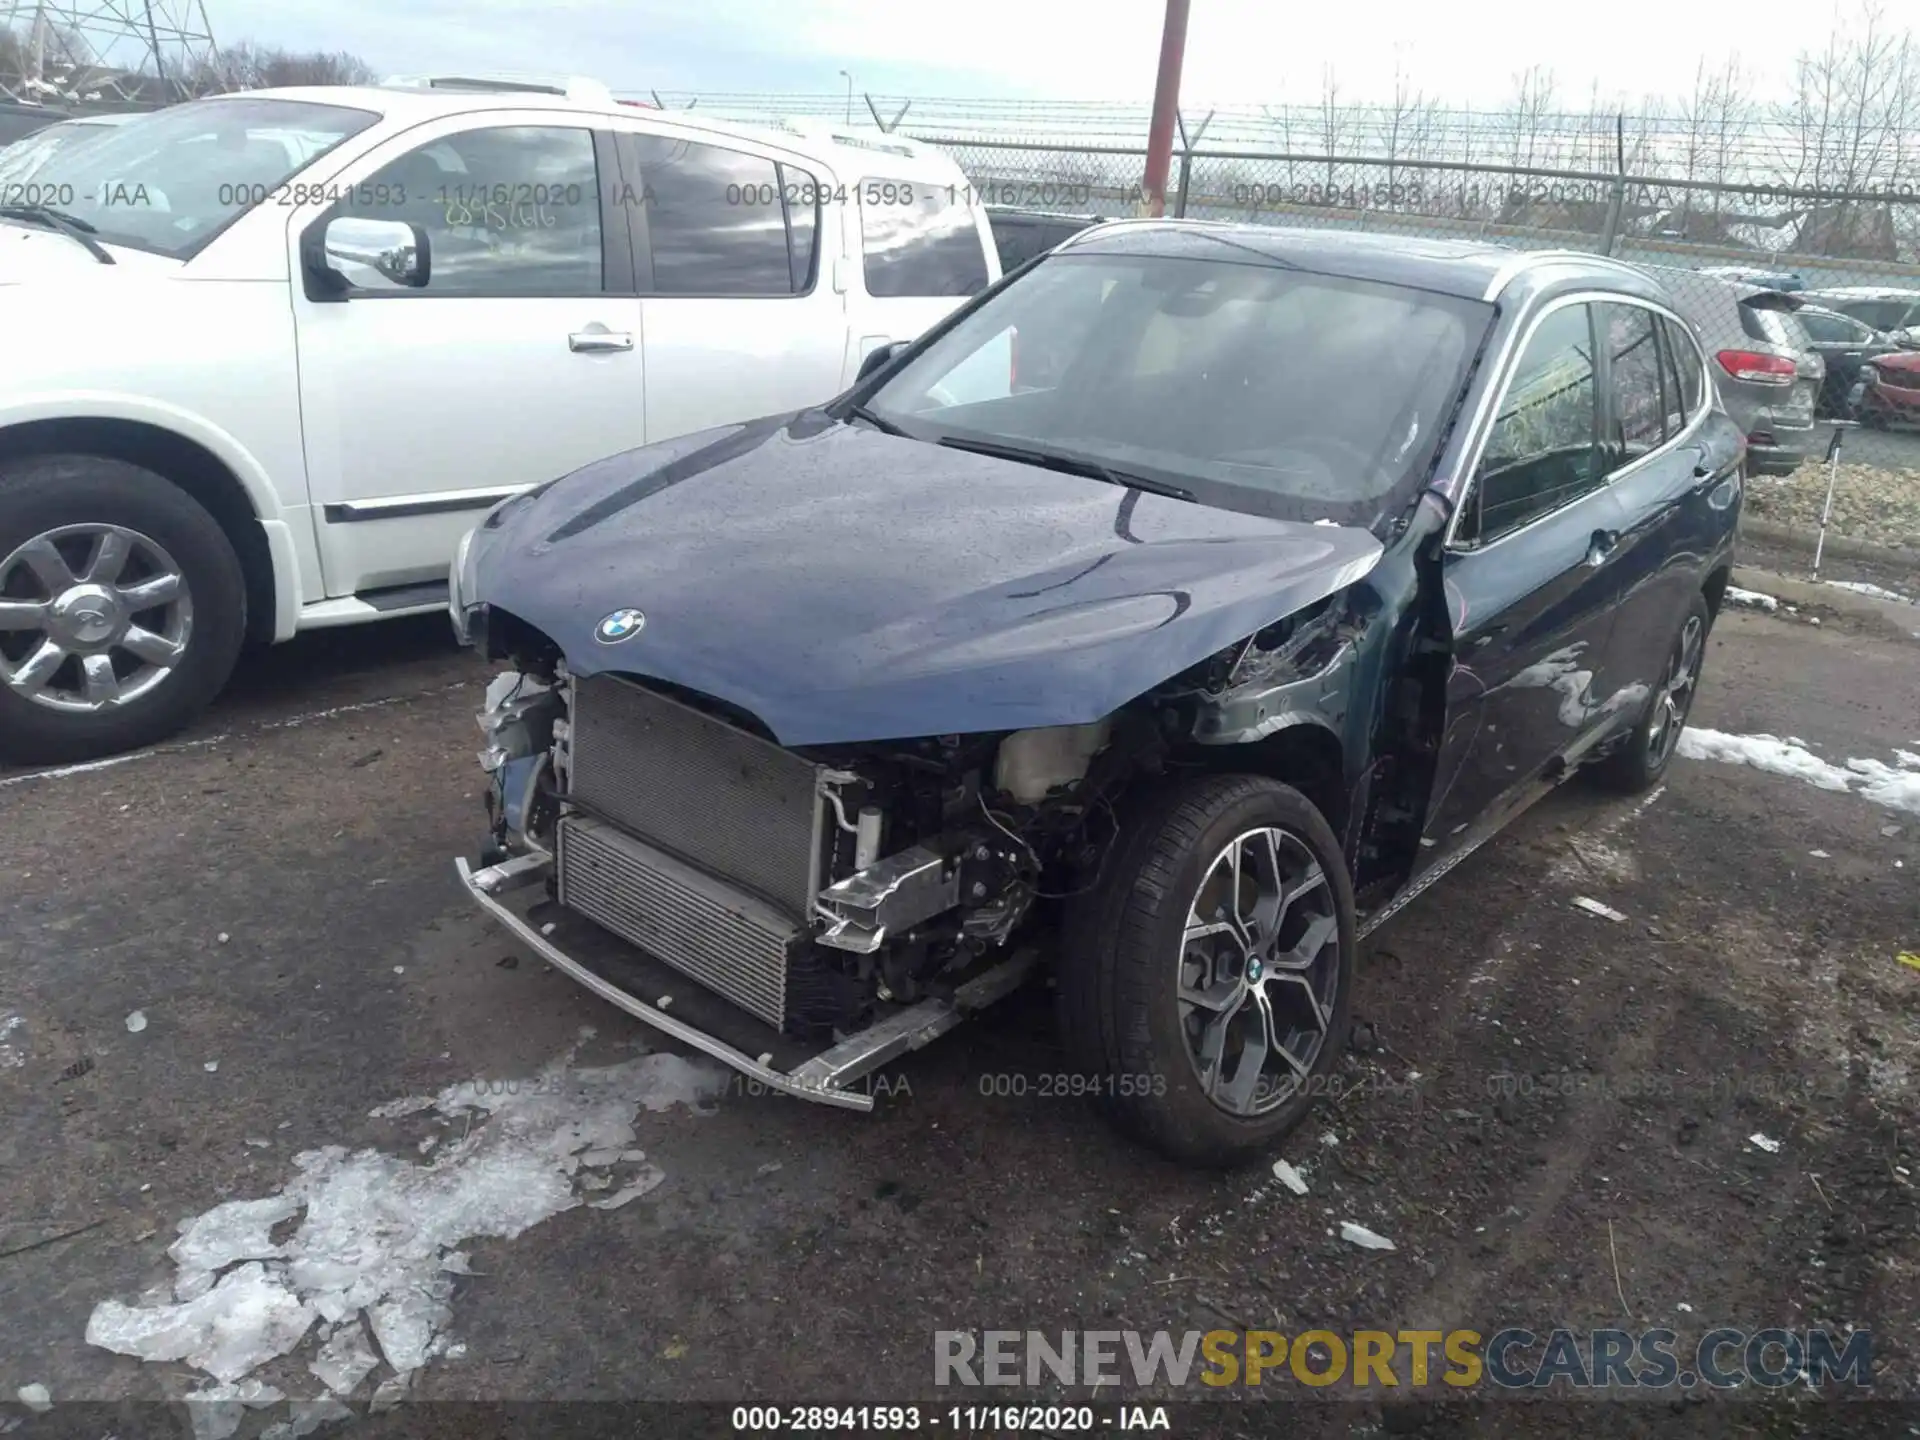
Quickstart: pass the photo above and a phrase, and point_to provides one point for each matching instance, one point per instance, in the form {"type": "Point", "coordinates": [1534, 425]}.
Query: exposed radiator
{"type": "Point", "coordinates": [729, 803]}
{"type": "Point", "coordinates": [730, 942]}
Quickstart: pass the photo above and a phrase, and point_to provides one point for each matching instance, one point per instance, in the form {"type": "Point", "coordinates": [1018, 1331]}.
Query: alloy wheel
{"type": "Point", "coordinates": [1674, 696]}
{"type": "Point", "coordinates": [1259, 971]}
{"type": "Point", "coordinates": [91, 616]}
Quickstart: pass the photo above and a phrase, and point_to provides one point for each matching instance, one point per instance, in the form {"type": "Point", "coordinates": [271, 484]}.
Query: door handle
{"type": "Point", "coordinates": [587, 341]}
{"type": "Point", "coordinates": [1602, 546]}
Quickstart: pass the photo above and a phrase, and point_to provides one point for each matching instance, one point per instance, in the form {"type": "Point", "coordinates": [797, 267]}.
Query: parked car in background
{"type": "Point", "coordinates": [1022, 234]}
{"type": "Point", "coordinates": [1848, 346]}
{"type": "Point", "coordinates": [1892, 310]}
{"type": "Point", "coordinates": [18, 121]}
{"type": "Point", "coordinates": [20, 161]}
{"type": "Point", "coordinates": [1893, 390]}
{"type": "Point", "coordinates": [1321, 557]}
{"type": "Point", "coordinates": [1764, 364]}
{"type": "Point", "coordinates": [287, 343]}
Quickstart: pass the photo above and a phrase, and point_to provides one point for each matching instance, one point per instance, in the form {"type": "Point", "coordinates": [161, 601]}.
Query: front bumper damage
{"type": "Point", "coordinates": [515, 893]}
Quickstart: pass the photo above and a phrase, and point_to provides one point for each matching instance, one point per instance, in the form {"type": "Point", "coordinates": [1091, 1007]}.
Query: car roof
{"type": "Point", "coordinates": [847, 148]}
{"type": "Point", "coordinates": [1479, 270]}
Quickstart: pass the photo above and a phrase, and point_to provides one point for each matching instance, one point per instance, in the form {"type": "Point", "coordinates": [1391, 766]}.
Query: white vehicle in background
{"type": "Point", "coordinates": [22, 158]}
{"type": "Point", "coordinates": [269, 355]}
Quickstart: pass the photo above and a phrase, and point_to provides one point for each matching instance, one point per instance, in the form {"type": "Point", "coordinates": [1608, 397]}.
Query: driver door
{"type": "Point", "coordinates": [1531, 585]}
{"type": "Point", "coordinates": [518, 361]}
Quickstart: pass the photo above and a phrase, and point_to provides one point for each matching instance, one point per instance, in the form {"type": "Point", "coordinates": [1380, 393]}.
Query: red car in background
{"type": "Point", "coordinates": [1893, 395]}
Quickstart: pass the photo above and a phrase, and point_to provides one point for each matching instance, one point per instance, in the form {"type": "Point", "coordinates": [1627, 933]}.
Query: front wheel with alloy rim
{"type": "Point", "coordinates": [1643, 757]}
{"type": "Point", "coordinates": [122, 608]}
{"type": "Point", "coordinates": [1206, 985]}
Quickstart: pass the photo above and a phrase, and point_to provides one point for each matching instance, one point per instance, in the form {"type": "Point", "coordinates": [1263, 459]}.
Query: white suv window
{"type": "Point", "coordinates": [721, 222]}
{"type": "Point", "coordinates": [513, 210]}
{"type": "Point", "coordinates": [919, 239]}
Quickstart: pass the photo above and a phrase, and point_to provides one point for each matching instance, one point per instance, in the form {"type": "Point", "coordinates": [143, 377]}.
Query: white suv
{"type": "Point", "coordinates": [268, 354]}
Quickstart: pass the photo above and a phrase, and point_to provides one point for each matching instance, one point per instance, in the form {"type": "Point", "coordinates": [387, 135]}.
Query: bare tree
{"type": "Point", "coordinates": [1527, 113]}
{"type": "Point", "coordinates": [1333, 121]}
{"type": "Point", "coordinates": [249, 66]}
{"type": "Point", "coordinates": [1403, 118]}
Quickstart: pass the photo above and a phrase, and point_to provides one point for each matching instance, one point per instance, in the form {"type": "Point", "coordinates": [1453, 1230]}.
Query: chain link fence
{"type": "Point", "coordinates": [1809, 300]}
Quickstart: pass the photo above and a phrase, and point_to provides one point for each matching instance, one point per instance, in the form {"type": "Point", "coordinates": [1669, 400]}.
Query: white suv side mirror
{"type": "Point", "coordinates": [395, 250]}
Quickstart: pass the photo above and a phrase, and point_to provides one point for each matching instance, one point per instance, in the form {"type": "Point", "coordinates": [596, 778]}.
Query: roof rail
{"type": "Point", "coordinates": [1526, 259]}
{"type": "Point", "coordinates": [571, 87]}
{"type": "Point", "coordinates": [836, 133]}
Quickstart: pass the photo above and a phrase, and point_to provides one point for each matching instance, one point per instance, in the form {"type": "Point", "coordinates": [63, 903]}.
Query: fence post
{"type": "Point", "coordinates": [1617, 201]}
{"type": "Point", "coordinates": [887, 127]}
{"type": "Point", "coordinates": [1187, 145]}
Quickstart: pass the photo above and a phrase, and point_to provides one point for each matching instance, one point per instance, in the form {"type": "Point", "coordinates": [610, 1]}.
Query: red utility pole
{"type": "Point", "coordinates": [1166, 102]}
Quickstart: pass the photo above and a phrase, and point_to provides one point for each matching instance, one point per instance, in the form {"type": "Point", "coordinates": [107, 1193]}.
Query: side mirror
{"type": "Point", "coordinates": [354, 249]}
{"type": "Point", "coordinates": [1905, 338]}
{"type": "Point", "coordinates": [879, 356]}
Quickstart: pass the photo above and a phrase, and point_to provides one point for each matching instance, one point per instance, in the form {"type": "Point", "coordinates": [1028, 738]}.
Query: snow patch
{"type": "Point", "coordinates": [376, 1233]}
{"type": "Point", "coordinates": [11, 1057]}
{"type": "Point", "coordinates": [1751, 599]}
{"type": "Point", "coordinates": [1860, 587]}
{"type": "Point", "coordinates": [1359, 1235]}
{"type": "Point", "coordinates": [1897, 789]}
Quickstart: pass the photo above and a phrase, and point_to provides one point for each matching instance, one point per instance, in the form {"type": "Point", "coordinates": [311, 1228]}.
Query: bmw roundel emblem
{"type": "Point", "coordinates": [620, 625]}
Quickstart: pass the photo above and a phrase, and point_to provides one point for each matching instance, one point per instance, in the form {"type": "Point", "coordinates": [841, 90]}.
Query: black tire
{"type": "Point", "coordinates": [1639, 763]}
{"type": "Point", "coordinates": [40, 494]}
{"type": "Point", "coordinates": [1120, 1011]}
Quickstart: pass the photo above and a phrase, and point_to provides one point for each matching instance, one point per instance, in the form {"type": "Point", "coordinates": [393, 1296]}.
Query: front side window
{"type": "Point", "coordinates": [1639, 399]}
{"type": "Point", "coordinates": [170, 181]}
{"type": "Point", "coordinates": [714, 220]}
{"type": "Point", "coordinates": [919, 239]}
{"type": "Point", "coordinates": [1542, 451]}
{"type": "Point", "coordinates": [508, 211]}
{"type": "Point", "coordinates": [1260, 388]}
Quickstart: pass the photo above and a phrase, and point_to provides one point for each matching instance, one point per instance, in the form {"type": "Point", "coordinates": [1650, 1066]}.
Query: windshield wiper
{"type": "Point", "coordinates": [1070, 465]}
{"type": "Point", "coordinates": [884, 426]}
{"type": "Point", "coordinates": [72, 226]}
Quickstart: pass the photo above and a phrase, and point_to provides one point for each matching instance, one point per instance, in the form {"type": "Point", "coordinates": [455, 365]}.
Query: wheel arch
{"type": "Point", "coordinates": [1715, 589]}
{"type": "Point", "coordinates": [190, 465]}
{"type": "Point", "coordinates": [1306, 754]}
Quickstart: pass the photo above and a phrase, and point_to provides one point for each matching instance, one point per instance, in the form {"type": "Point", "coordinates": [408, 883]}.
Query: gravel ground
{"type": "Point", "coordinates": [1548, 1112]}
{"type": "Point", "coordinates": [1870, 502]}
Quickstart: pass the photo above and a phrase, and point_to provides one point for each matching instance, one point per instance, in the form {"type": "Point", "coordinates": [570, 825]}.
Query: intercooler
{"type": "Point", "coordinates": [693, 840]}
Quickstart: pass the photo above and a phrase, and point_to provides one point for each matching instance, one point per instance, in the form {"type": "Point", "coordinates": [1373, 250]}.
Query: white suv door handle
{"type": "Point", "coordinates": [590, 340]}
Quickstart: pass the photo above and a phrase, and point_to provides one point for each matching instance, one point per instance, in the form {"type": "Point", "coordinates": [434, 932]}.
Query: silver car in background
{"type": "Point", "coordinates": [1764, 362]}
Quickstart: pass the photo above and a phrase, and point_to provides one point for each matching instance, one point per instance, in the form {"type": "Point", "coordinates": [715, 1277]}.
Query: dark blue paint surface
{"type": "Point", "coordinates": [845, 585]}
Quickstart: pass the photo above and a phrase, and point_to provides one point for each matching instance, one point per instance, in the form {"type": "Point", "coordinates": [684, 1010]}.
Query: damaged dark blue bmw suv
{"type": "Point", "coordinates": [1167, 617]}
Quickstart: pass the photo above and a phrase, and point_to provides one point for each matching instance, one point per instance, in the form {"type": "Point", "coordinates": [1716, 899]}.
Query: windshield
{"type": "Point", "coordinates": [1257, 388]}
{"type": "Point", "coordinates": [170, 181]}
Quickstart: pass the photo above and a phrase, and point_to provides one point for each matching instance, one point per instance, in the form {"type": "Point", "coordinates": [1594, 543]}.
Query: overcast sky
{"type": "Point", "coordinates": [1238, 51]}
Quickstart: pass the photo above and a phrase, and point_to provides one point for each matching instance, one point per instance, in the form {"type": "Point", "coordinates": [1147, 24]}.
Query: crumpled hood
{"type": "Point", "coordinates": [846, 585]}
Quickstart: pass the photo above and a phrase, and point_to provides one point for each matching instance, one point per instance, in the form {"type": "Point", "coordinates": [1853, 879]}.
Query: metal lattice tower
{"type": "Point", "coordinates": [102, 52]}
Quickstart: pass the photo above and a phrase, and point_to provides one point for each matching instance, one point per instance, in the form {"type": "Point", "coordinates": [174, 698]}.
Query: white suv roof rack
{"type": "Point", "coordinates": [570, 87]}
{"type": "Point", "coordinates": [833, 133]}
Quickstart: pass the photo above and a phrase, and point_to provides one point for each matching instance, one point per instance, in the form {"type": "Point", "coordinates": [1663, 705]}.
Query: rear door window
{"type": "Point", "coordinates": [1686, 363]}
{"type": "Point", "coordinates": [1635, 382]}
{"type": "Point", "coordinates": [919, 240]}
{"type": "Point", "coordinates": [715, 221]}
